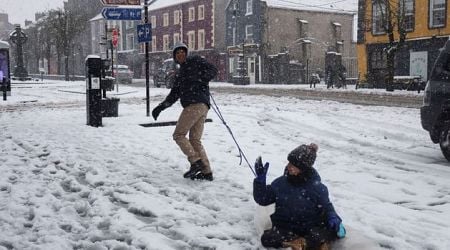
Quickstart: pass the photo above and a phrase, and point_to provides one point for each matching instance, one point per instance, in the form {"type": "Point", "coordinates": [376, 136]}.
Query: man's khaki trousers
{"type": "Point", "coordinates": [192, 121]}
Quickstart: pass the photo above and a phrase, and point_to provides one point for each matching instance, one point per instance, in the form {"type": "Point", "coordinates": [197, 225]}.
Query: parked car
{"type": "Point", "coordinates": [166, 74]}
{"type": "Point", "coordinates": [122, 73]}
{"type": "Point", "coordinates": [435, 112]}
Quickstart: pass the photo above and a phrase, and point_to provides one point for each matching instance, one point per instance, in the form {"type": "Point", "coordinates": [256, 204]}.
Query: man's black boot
{"type": "Point", "coordinates": [196, 168]}
{"type": "Point", "coordinates": [202, 176]}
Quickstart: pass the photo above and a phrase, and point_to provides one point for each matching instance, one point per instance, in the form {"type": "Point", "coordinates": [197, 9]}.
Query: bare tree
{"type": "Point", "coordinates": [391, 17]}
{"type": "Point", "coordinates": [67, 25]}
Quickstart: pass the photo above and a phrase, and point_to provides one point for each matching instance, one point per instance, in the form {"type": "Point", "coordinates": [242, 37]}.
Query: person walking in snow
{"type": "Point", "coordinates": [304, 217]}
{"type": "Point", "coordinates": [191, 86]}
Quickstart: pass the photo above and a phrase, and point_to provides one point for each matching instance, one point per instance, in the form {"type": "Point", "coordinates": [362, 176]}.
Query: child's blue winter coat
{"type": "Point", "coordinates": [298, 207]}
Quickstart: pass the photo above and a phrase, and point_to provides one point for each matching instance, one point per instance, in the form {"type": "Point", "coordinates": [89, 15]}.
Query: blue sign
{"type": "Point", "coordinates": [122, 13]}
{"type": "Point", "coordinates": [144, 32]}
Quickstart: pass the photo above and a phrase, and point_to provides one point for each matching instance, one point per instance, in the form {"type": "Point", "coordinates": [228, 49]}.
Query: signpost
{"type": "Point", "coordinates": [147, 59]}
{"type": "Point", "coordinates": [110, 13]}
{"type": "Point", "coordinates": [144, 32]}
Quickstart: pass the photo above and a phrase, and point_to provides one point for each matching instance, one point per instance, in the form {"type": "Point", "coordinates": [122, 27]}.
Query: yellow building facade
{"type": "Point", "coordinates": [428, 30]}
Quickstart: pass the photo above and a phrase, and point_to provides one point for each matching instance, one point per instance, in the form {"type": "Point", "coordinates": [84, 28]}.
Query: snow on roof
{"type": "Point", "coordinates": [159, 4]}
{"type": "Point", "coordinates": [344, 6]}
{"type": "Point", "coordinates": [97, 17]}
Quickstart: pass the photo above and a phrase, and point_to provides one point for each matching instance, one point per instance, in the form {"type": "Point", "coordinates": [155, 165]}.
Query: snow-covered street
{"type": "Point", "coordinates": [66, 185]}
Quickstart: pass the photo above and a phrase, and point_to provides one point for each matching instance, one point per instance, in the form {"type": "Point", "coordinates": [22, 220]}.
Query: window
{"type": "Point", "coordinates": [166, 43]}
{"type": "Point", "coordinates": [303, 28]}
{"type": "Point", "coordinates": [191, 40]}
{"type": "Point", "coordinates": [176, 38]}
{"type": "Point", "coordinates": [234, 36]}
{"type": "Point", "coordinates": [153, 43]}
{"type": "Point", "coordinates": [378, 11]}
{"type": "Point", "coordinates": [407, 10]}
{"type": "Point", "coordinates": [130, 41]}
{"type": "Point", "coordinates": [337, 29]}
{"type": "Point", "coordinates": [191, 14]}
{"type": "Point", "coordinates": [249, 10]}
{"type": "Point", "coordinates": [201, 39]}
{"type": "Point", "coordinates": [201, 12]}
{"type": "Point", "coordinates": [437, 13]}
{"type": "Point", "coordinates": [249, 33]}
{"type": "Point", "coordinates": [378, 60]}
{"type": "Point", "coordinates": [231, 63]}
{"type": "Point", "coordinates": [153, 21]}
{"type": "Point", "coordinates": [176, 17]}
{"type": "Point", "coordinates": [166, 19]}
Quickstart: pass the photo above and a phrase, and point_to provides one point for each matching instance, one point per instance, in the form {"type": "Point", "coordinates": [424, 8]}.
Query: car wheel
{"type": "Point", "coordinates": [444, 142]}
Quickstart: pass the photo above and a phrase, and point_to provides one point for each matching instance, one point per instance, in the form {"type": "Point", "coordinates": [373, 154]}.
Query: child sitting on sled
{"type": "Point", "coordinates": [304, 217]}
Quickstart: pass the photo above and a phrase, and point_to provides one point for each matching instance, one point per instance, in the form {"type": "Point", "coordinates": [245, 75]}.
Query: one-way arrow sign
{"type": "Point", "coordinates": [144, 32]}
{"type": "Point", "coordinates": [121, 14]}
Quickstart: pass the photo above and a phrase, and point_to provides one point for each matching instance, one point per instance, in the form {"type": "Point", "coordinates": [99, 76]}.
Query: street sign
{"type": "Point", "coordinates": [121, 2]}
{"type": "Point", "coordinates": [121, 13]}
{"type": "Point", "coordinates": [115, 38]}
{"type": "Point", "coordinates": [144, 32]}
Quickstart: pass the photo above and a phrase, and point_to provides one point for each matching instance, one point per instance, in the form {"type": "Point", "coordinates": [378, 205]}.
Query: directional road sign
{"type": "Point", "coordinates": [144, 32]}
{"type": "Point", "coordinates": [121, 13]}
{"type": "Point", "coordinates": [121, 2]}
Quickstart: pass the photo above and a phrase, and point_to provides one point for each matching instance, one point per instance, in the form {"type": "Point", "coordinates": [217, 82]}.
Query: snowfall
{"type": "Point", "coordinates": [67, 185]}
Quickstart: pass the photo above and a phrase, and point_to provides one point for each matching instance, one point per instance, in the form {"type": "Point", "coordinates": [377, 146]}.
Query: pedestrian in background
{"type": "Point", "coordinates": [191, 86]}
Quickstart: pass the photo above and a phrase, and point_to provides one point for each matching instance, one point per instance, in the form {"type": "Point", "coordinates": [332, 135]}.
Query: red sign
{"type": "Point", "coordinates": [121, 2]}
{"type": "Point", "coordinates": [115, 38]}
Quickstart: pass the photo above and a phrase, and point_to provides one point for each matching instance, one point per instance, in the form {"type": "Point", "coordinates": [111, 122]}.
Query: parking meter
{"type": "Point", "coordinates": [5, 82]}
{"type": "Point", "coordinates": [93, 91]}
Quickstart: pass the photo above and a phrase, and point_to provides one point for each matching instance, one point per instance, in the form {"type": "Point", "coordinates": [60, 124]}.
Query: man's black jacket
{"type": "Point", "coordinates": [191, 84]}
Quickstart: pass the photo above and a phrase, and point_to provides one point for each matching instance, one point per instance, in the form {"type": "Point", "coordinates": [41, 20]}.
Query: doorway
{"type": "Point", "coordinates": [251, 69]}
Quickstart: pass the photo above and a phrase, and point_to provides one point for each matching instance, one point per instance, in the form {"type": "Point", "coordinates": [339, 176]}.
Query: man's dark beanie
{"type": "Point", "coordinates": [303, 156]}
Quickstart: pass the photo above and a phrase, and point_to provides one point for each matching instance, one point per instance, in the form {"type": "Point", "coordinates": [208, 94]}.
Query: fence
{"type": "Point", "coordinates": [351, 64]}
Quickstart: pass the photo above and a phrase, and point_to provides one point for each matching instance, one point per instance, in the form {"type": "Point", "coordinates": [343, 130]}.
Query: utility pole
{"type": "Point", "coordinates": [147, 59]}
{"type": "Point", "coordinates": [147, 62]}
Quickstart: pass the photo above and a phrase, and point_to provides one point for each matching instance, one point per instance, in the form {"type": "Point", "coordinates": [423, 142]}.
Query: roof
{"type": "Point", "coordinates": [159, 4]}
{"type": "Point", "coordinates": [340, 6]}
{"type": "Point", "coordinates": [97, 17]}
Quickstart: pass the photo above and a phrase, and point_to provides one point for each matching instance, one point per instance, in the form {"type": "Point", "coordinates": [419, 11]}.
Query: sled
{"type": "Point", "coordinates": [354, 240]}
{"type": "Point", "coordinates": [163, 124]}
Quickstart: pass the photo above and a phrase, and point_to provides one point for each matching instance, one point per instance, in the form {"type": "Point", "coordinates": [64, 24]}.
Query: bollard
{"type": "Point", "coordinates": [93, 92]}
{"type": "Point", "coordinates": [4, 88]}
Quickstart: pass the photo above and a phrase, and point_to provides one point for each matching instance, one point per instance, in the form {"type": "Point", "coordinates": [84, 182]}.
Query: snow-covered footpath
{"type": "Point", "coordinates": [65, 185]}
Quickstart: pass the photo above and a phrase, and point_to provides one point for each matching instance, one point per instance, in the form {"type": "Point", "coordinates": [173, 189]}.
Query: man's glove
{"type": "Point", "coordinates": [157, 110]}
{"type": "Point", "coordinates": [333, 223]}
{"type": "Point", "coordinates": [261, 171]}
